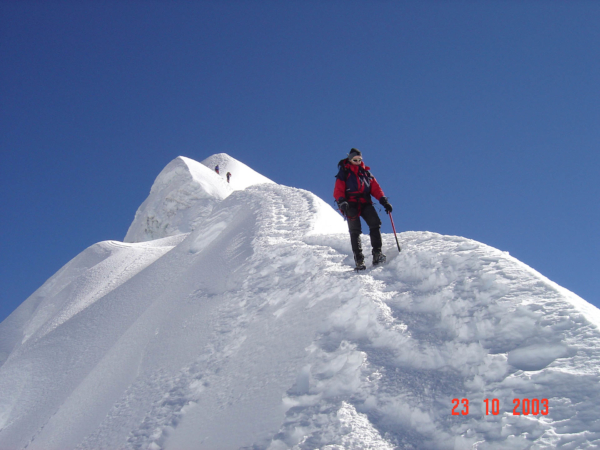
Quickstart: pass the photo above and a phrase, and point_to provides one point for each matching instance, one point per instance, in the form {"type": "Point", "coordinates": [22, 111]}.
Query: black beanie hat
{"type": "Point", "coordinates": [354, 152]}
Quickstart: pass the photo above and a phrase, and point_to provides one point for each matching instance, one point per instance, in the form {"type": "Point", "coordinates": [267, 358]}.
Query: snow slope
{"type": "Point", "coordinates": [243, 326]}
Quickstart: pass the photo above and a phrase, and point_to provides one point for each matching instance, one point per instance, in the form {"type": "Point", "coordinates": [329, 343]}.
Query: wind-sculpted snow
{"type": "Point", "coordinates": [251, 332]}
{"type": "Point", "coordinates": [182, 195]}
{"type": "Point", "coordinates": [87, 278]}
{"type": "Point", "coordinates": [185, 192]}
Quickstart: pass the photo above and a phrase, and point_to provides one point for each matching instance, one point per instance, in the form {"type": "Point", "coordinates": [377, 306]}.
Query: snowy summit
{"type": "Point", "coordinates": [230, 318]}
{"type": "Point", "coordinates": [185, 192]}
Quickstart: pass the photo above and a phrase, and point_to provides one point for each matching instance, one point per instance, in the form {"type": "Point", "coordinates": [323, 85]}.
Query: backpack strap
{"type": "Point", "coordinates": [342, 172]}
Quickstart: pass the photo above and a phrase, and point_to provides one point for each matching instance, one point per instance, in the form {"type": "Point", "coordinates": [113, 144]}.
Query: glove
{"type": "Point", "coordinates": [386, 205]}
{"type": "Point", "coordinates": [343, 205]}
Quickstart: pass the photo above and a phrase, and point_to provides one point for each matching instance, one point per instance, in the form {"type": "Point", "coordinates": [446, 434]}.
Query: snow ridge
{"type": "Point", "coordinates": [242, 176]}
{"type": "Point", "coordinates": [250, 331]}
{"type": "Point", "coordinates": [185, 192]}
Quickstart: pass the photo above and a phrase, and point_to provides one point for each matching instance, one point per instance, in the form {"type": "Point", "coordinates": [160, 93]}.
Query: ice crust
{"type": "Point", "coordinates": [231, 319]}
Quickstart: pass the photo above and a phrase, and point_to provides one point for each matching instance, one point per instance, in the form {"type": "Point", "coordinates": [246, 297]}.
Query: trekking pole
{"type": "Point", "coordinates": [395, 235]}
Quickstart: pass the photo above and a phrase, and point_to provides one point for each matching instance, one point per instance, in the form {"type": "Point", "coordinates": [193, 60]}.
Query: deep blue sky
{"type": "Point", "coordinates": [479, 118]}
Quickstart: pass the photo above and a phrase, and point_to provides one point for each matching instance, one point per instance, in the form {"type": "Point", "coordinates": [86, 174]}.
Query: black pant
{"type": "Point", "coordinates": [369, 214]}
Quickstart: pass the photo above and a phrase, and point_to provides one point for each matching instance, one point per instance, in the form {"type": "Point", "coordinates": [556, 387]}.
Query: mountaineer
{"type": "Point", "coordinates": [354, 186]}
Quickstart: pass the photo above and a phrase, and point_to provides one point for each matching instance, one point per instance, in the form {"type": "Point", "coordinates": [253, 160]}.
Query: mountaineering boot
{"type": "Point", "coordinates": [359, 259]}
{"type": "Point", "coordinates": [378, 257]}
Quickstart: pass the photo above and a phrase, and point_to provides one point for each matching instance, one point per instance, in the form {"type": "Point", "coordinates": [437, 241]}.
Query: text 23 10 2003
{"type": "Point", "coordinates": [522, 406]}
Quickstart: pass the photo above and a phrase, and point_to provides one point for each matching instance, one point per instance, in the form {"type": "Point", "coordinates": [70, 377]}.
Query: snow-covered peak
{"type": "Point", "coordinates": [242, 176]}
{"type": "Point", "coordinates": [186, 191]}
{"type": "Point", "coordinates": [252, 331]}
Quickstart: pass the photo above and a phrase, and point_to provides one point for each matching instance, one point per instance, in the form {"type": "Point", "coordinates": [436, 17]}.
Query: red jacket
{"type": "Point", "coordinates": [356, 183]}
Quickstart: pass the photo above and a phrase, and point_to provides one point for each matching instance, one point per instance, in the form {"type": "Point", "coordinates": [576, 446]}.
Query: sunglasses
{"type": "Point", "coordinates": [356, 160]}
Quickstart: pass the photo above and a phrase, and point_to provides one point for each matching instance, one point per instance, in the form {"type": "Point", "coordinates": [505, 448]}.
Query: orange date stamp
{"type": "Point", "coordinates": [521, 406]}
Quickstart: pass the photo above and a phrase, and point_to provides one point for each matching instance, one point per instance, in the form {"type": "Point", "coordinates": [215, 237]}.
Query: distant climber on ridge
{"type": "Point", "coordinates": [217, 168]}
{"type": "Point", "coordinates": [354, 186]}
{"type": "Point", "coordinates": [228, 176]}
